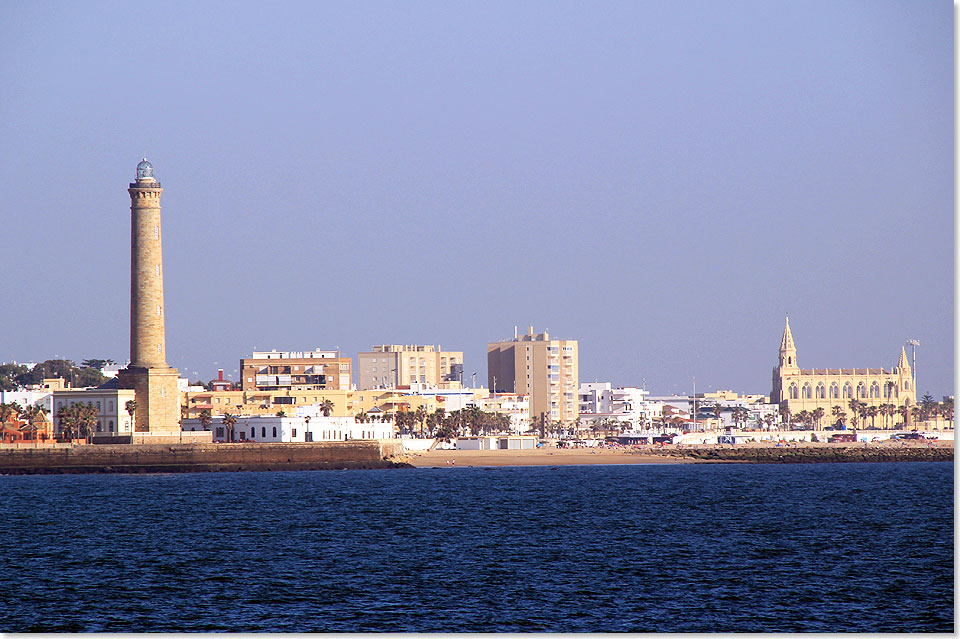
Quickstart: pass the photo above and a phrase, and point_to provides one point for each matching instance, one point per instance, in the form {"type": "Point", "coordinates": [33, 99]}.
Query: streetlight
{"type": "Point", "coordinates": [914, 343]}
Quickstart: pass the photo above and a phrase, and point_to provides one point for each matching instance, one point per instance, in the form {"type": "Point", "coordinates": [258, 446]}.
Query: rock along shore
{"type": "Point", "coordinates": [818, 454]}
{"type": "Point", "coordinates": [187, 458]}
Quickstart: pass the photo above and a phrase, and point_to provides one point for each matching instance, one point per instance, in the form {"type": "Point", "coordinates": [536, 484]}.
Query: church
{"type": "Point", "coordinates": [812, 388]}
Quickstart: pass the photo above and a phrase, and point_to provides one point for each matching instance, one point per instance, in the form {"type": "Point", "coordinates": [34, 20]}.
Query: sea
{"type": "Point", "coordinates": [852, 547]}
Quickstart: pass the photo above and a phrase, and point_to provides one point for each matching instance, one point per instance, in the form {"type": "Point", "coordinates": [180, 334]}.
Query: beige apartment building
{"type": "Point", "coordinates": [265, 403]}
{"type": "Point", "coordinates": [545, 369]}
{"type": "Point", "coordinates": [295, 370]}
{"type": "Point", "coordinates": [394, 365]}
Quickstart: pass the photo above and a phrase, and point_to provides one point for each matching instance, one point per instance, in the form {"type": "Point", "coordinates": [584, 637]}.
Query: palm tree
{"type": "Point", "coordinates": [804, 417]}
{"type": "Point", "coordinates": [87, 419]}
{"type": "Point", "coordinates": [361, 417]}
{"type": "Point", "coordinates": [205, 418]}
{"type": "Point", "coordinates": [839, 415]}
{"type": "Point", "coordinates": [131, 407]}
{"type": "Point", "coordinates": [230, 421]}
{"type": "Point", "coordinates": [872, 412]}
{"type": "Point", "coordinates": [421, 416]}
{"type": "Point", "coordinates": [716, 413]}
{"type": "Point", "coordinates": [326, 407]}
{"type": "Point", "coordinates": [785, 413]}
{"type": "Point", "coordinates": [818, 414]}
{"type": "Point", "coordinates": [854, 405]}
{"type": "Point", "coordinates": [904, 412]}
{"type": "Point", "coordinates": [862, 411]}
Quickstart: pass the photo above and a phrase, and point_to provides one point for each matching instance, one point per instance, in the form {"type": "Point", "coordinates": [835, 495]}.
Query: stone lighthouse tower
{"type": "Point", "coordinates": [154, 383]}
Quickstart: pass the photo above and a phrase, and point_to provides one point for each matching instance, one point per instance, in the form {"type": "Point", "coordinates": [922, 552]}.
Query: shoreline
{"type": "Point", "coordinates": [706, 454]}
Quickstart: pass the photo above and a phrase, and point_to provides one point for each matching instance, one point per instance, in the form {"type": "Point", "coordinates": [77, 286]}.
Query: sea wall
{"type": "Point", "coordinates": [151, 458]}
{"type": "Point", "coordinates": [816, 454]}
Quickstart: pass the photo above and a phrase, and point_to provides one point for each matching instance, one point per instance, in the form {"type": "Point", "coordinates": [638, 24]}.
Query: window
{"type": "Point", "coordinates": [253, 432]}
{"type": "Point", "coordinates": [906, 386]}
{"type": "Point", "coordinates": [158, 348]}
{"type": "Point", "coordinates": [98, 405]}
{"type": "Point", "coordinates": [249, 380]}
{"type": "Point", "coordinates": [821, 391]}
{"type": "Point", "coordinates": [110, 424]}
{"type": "Point", "coordinates": [875, 390]}
{"type": "Point", "coordinates": [806, 391]}
{"type": "Point", "coordinates": [793, 391]}
{"type": "Point", "coordinates": [263, 431]}
{"type": "Point", "coordinates": [158, 270]}
{"type": "Point", "coordinates": [158, 309]}
{"type": "Point", "coordinates": [274, 431]}
{"type": "Point", "coordinates": [294, 432]}
{"type": "Point", "coordinates": [156, 232]}
{"type": "Point", "coordinates": [219, 431]}
{"type": "Point", "coordinates": [163, 392]}
{"type": "Point", "coordinates": [861, 390]}
{"type": "Point", "coordinates": [834, 391]}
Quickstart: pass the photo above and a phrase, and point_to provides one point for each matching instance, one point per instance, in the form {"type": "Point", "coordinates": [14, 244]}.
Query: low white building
{"type": "Point", "coordinates": [599, 401]}
{"type": "Point", "coordinates": [296, 428]}
{"type": "Point", "coordinates": [497, 442]}
{"type": "Point", "coordinates": [514, 406]}
{"type": "Point", "coordinates": [111, 405]}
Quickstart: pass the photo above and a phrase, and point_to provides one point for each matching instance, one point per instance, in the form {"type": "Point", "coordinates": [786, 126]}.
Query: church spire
{"type": "Point", "coordinates": [903, 365]}
{"type": "Point", "coordinates": [788, 351]}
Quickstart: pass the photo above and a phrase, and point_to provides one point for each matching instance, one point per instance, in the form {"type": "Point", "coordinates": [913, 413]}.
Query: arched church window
{"type": "Point", "coordinates": [834, 391]}
{"type": "Point", "coordinates": [789, 360]}
{"type": "Point", "coordinates": [806, 392]}
{"type": "Point", "coordinates": [861, 390]}
{"type": "Point", "coordinates": [821, 391]}
{"type": "Point", "coordinates": [906, 386]}
{"type": "Point", "coordinates": [793, 391]}
{"type": "Point", "coordinates": [847, 391]}
{"type": "Point", "coordinates": [874, 390]}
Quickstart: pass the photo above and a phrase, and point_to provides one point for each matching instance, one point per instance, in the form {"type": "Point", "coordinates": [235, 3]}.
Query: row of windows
{"type": "Point", "coordinates": [890, 390]}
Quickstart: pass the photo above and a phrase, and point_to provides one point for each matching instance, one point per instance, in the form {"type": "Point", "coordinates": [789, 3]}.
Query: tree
{"type": "Point", "coordinates": [205, 418]}
{"type": "Point", "coordinates": [872, 412]}
{"type": "Point", "coordinates": [854, 405]}
{"type": "Point", "coordinates": [131, 407]}
{"type": "Point", "coordinates": [804, 417]}
{"type": "Point", "coordinates": [818, 414]}
{"type": "Point", "coordinates": [717, 409]}
{"type": "Point", "coordinates": [839, 415]}
{"type": "Point", "coordinates": [785, 413]}
{"type": "Point", "coordinates": [229, 421]}
{"type": "Point", "coordinates": [326, 407]}
{"type": "Point", "coordinates": [904, 412]}
{"type": "Point", "coordinates": [87, 420]}
{"type": "Point", "coordinates": [421, 417]}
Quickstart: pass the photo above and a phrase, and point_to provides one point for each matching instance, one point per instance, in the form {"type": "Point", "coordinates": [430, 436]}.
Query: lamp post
{"type": "Point", "coordinates": [913, 343]}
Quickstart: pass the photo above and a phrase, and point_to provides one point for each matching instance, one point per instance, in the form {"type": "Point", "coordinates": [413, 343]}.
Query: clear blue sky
{"type": "Point", "coordinates": [662, 181]}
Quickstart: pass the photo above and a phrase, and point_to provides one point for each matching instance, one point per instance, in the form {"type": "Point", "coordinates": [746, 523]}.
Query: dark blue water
{"type": "Point", "coordinates": [812, 547]}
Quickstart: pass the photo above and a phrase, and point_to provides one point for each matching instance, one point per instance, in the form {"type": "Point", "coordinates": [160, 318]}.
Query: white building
{"type": "Point", "coordinates": [599, 400]}
{"type": "Point", "coordinates": [111, 404]}
{"type": "Point", "coordinates": [42, 398]}
{"type": "Point", "coordinates": [516, 407]}
{"type": "Point", "coordinates": [298, 428]}
{"type": "Point", "coordinates": [454, 399]}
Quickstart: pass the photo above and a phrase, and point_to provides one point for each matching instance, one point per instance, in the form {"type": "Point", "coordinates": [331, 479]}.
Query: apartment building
{"type": "Point", "coordinates": [295, 370]}
{"type": "Point", "coordinates": [393, 365]}
{"type": "Point", "coordinates": [600, 401]}
{"type": "Point", "coordinates": [545, 369]}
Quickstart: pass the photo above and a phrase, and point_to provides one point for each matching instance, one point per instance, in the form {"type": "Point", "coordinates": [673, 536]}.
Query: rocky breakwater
{"type": "Point", "coordinates": [812, 453]}
{"type": "Point", "coordinates": [179, 458]}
